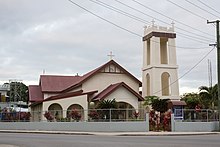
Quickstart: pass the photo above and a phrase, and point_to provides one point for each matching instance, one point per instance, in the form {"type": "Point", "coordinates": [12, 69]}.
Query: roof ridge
{"type": "Point", "coordinates": [91, 73]}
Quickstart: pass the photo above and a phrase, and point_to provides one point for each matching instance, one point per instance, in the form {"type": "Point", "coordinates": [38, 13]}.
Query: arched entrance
{"type": "Point", "coordinates": [56, 110]}
{"type": "Point", "coordinates": [75, 110]}
{"type": "Point", "coordinates": [126, 111]}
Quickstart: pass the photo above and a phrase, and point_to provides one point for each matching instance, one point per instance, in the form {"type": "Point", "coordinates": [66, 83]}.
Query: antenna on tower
{"type": "Point", "coordinates": [210, 72]}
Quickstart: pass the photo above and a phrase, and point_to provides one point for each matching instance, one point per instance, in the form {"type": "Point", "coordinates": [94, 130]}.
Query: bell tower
{"type": "Point", "coordinates": [159, 71]}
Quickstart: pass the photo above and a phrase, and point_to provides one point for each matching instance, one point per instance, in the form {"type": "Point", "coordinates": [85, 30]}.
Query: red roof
{"type": "Point", "coordinates": [68, 95]}
{"type": "Point", "coordinates": [93, 72]}
{"type": "Point", "coordinates": [35, 93]}
{"type": "Point", "coordinates": [52, 83]}
{"type": "Point", "coordinates": [177, 103]}
{"type": "Point", "coordinates": [110, 89]}
{"type": "Point", "coordinates": [63, 84]}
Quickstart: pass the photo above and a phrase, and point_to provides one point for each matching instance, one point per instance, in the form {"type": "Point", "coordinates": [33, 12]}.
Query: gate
{"type": "Point", "coordinates": [159, 121]}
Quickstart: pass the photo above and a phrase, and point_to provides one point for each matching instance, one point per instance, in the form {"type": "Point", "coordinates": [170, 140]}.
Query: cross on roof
{"type": "Point", "coordinates": [111, 55]}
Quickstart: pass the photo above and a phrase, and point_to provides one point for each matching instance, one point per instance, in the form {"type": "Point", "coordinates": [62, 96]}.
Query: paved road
{"type": "Point", "coordinates": [60, 140]}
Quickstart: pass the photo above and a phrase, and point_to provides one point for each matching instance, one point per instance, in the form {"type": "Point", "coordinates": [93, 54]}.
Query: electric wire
{"type": "Point", "coordinates": [208, 6]}
{"type": "Point", "coordinates": [141, 4]}
{"type": "Point", "coordinates": [187, 72]}
{"type": "Point", "coordinates": [195, 38]}
{"type": "Point", "coordinates": [120, 11]}
{"type": "Point", "coordinates": [201, 8]}
{"type": "Point", "coordinates": [131, 32]}
{"type": "Point", "coordinates": [187, 10]}
{"type": "Point", "coordinates": [104, 19]}
{"type": "Point", "coordinates": [161, 20]}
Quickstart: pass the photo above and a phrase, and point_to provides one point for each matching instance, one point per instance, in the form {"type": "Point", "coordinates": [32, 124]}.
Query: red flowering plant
{"type": "Point", "coordinates": [136, 114]}
{"type": "Point", "coordinates": [75, 114]}
{"type": "Point", "coordinates": [93, 114]}
{"type": "Point", "coordinates": [24, 116]}
{"type": "Point", "coordinates": [167, 121]}
{"type": "Point", "coordinates": [48, 116]}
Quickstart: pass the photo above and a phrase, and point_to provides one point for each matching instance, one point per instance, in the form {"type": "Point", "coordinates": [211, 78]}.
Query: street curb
{"type": "Point", "coordinates": [113, 133]}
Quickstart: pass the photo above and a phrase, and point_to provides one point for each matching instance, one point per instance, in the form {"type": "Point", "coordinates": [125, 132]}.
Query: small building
{"type": "Point", "coordinates": [59, 94]}
{"type": "Point", "coordinates": [4, 89]}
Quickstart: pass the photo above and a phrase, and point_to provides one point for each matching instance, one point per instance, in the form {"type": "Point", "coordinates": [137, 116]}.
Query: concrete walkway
{"type": "Point", "coordinates": [112, 133]}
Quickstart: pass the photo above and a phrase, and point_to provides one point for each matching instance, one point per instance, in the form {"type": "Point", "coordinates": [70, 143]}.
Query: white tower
{"type": "Point", "coordinates": [159, 72]}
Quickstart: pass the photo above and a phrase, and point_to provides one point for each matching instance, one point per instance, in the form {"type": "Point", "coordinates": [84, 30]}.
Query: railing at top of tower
{"type": "Point", "coordinates": [155, 28]}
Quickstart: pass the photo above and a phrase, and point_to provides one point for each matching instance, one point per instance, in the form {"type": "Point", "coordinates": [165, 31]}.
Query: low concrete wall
{"type": "Point", "coordinates": [179, 126]}
{"type": "Point", "coordinates": [195, 126]}
{"type": "Point", "coordinates": [134, 126]}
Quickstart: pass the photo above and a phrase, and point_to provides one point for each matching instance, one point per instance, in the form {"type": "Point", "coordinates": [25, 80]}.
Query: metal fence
{"type": "Point", "coordinates": [76, 115]}
{"type": "Point", "coordinates": [190, 115]}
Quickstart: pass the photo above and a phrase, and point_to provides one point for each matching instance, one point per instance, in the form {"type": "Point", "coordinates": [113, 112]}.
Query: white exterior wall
{"type": "Point", "coordinates": [155, 76]}
{"type": "Point", "coordinates": [67, 102]}
{"type": "Point", "coordinates": [102, 80]}
{"type": "Point", "coordinates": [123, 95]}
{"type": "Point", "coordinates": [36, 113]}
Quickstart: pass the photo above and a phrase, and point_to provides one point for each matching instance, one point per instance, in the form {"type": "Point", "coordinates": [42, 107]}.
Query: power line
{"type": "Point", "coordinates": [160, 19]}
{"type": "Point", "coordinates": [187, 10]}
{"type": "Point", "coordinates": [144, 21]}
{"type": "Point", "coordinates": [119, 11]}
{"type": "Point", "coordinates": [201, 8]}
{"type": "Point", "coordinates": [186, 72]}
{"type": "Point", "coordinates": [208, 6]}
{"type": "Point", "coordinates": [131, 32]}
{"type": "Point", "coordinates": [168, 17]}
{"type": "Point", "coordinates": [105, 19]}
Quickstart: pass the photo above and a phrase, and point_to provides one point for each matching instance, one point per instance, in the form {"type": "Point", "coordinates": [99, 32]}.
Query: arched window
{"type": "Point", "coordinates": [165, 83]}
{"type": "Point", "coordinates": [56, 110]}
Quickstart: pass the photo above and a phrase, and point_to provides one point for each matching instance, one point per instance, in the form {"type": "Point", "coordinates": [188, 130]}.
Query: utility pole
{"type": "Point", "coordinates": [218, 64]}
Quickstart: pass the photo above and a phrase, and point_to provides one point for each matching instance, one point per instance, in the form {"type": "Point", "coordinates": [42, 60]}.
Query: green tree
{"type": "Point", "coordinates": [208, 96]}
{"type": "Point", "coordinates": [160, 105]}
{"type": "Point", "coordinates": [191, 99]}
{"type": "Point", "coordinates": [18, 92]}
{"type": "Point", "coordinates": [148, 101]}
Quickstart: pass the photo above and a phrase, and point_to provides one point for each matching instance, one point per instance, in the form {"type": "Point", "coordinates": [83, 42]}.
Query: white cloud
{"type": "Point", "coordinates": [63, 39]}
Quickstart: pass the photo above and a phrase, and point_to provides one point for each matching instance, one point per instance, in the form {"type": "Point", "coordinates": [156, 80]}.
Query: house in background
{"type": "Point", "coordinates": [4, 89]}
{"type": "Point", "coordinates": [59, 94]}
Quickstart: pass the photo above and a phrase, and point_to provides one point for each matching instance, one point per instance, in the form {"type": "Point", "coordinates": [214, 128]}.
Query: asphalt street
{"type": "Point", "coordinates": [62, 140]}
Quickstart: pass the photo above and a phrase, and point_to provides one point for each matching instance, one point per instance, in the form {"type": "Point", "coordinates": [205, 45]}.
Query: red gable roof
{"type": "Point", "coordinates": [63, 84]}
{"type": "Point", "coordinates": [93, 72]}
{"type": "Point", "coordinates": [110, 89]}
{"type": "Point", "coordinates": [52, 83]}
{"type": "Point", "coordinates": [35, 93]}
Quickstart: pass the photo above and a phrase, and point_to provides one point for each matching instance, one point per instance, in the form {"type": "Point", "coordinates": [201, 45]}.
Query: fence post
{"type": "Point", "coordinates": [172, 123]}
{"type": "Point", "coordinates": [110, 115]}
{"type": "Point", "coordinates": [207, 113]}
{"type": "Point", "coordinates": [147, 122]}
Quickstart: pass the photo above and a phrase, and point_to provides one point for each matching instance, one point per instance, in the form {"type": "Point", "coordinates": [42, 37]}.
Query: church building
{"type": "Point", "coordinates": [62, 93]}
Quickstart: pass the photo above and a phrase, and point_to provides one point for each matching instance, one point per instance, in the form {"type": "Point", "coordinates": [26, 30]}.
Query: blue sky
{"type": "Point", "coordinates": [61, 38]}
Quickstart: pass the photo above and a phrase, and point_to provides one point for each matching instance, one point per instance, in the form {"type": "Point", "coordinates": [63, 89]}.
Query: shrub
{"type": "Point", "coordinates": [75, 114]}
{"type": "Point", "coordinates": [48, 116]}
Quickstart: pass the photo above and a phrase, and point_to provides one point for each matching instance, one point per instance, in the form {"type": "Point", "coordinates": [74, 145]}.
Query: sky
{"type": "Point", "coordinates": [60, 37]}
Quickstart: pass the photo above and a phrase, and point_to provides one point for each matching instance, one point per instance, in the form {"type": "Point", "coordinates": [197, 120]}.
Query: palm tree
{"type": "Point", "coordinates": [107, 105]}
{"type": "Point", "coordinates": [149, 100]}
{"type": "Point", "coordinates": [209, 96]}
